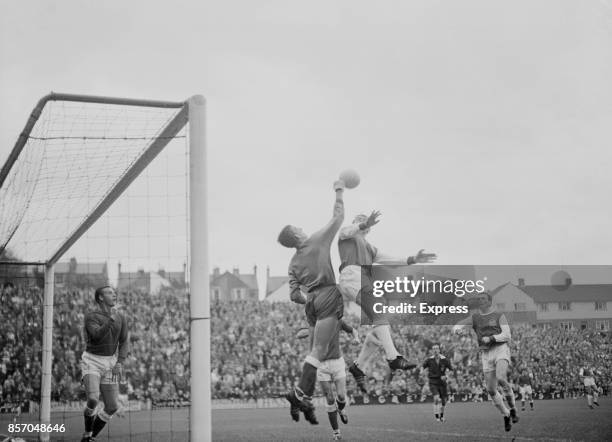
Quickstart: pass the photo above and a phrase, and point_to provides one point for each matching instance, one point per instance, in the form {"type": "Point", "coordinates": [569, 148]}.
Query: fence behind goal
{"type": "Point", "coordinates": [101, 191]}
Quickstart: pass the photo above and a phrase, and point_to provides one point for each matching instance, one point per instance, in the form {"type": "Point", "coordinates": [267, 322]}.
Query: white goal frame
{"type": "Point", "coordinates": [192, 111]}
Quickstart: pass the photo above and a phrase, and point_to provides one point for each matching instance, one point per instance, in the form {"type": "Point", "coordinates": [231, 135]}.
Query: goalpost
{"type": "Point", "coordinates": [63, 175]}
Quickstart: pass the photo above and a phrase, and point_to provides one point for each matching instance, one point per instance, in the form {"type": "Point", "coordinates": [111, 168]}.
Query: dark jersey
{"type": "Point", "coordinates": [104, 336]}
{"type": "Point", "coordinates": [524, 380]}
{"type": "Point", "coordinates": [486, 325]}
{"type": "Point", "coordinates": [311, 266]}
{"type": "Point", "coordinates": [437, 369]}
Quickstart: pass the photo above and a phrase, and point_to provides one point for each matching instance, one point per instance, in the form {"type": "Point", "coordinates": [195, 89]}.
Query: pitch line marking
{"type": "Point", "coordinates": [437, 433]}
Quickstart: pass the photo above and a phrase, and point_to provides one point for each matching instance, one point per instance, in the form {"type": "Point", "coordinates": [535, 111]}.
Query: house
{"type": "Point", "coordinates": [517, 305]}
{"type": "Point", "coordinates": [77, 274]}
{"type": "Point", "coordinates": [148, 282]}
{"type": "Point", "coordinates": [233, 286]}
{"type": "Point", "coordinates": [570, 306]}
{"type": "Point", "coordinates": [277, 288]}
{"type": "Point", "coordinates": [577, 306]}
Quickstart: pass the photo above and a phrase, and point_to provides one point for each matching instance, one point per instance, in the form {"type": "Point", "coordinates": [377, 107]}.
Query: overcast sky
{"type": "Point", "coordinates": [481, 129]}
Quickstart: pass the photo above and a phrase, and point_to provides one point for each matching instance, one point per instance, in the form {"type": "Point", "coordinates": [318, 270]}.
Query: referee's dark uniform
{"type": "Point", "coordinates": [437, 368]}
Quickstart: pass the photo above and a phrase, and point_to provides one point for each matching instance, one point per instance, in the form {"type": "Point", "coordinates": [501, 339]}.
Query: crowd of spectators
{"type": "Point", "coordinates": [261, 357]}
{"type": "Point", "coordinates": [157, 368]}
{"type": "Point", "coordinates": [255, 352]}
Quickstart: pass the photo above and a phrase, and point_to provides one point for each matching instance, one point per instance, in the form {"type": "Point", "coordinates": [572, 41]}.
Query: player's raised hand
{"type": "Point", "coordinates": [339, 185]}
{"type": "Point", "coordinates": [372, 219]}
{"type": "Point", "coordinates": [117, 372]}
{"type": "Point", "coordinates": [422, 257]}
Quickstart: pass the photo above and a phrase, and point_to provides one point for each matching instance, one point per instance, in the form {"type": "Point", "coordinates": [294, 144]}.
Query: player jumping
{"type": "Point", "coordinates": [493, 333]}
{"type": "Point", "coordinates": [101, 363]}
{"type": "Point", "coordinates": [356, 251]}
{"type": "Point", "coordinates": [311, 268]}
{"type": "Point", "coordinates": [436, 366]}
{"type": "Point", "coordinates": [332, 372]}
{"type": "Point", "coordinates": [590, 387]}
{"type": "Point", "coordinates": [525, 390]}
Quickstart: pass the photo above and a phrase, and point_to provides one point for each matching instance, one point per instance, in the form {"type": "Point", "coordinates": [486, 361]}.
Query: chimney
{"type": "Point", "coordinates": [236, 271]}
{"type": "Point", "coordinates": [119, 269]}
{"type": "Point", "coordinates": [521, 282]}
{"type": "Point", "coordinates": [267, 272]}
{"type": "Point", "coordinates": [255, 269]}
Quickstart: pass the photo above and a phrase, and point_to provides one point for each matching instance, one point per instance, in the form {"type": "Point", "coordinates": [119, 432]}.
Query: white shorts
{"type": "Point", "coordinates": [100, 366]}
{"type": "Point", "coordinates": [497, 353]}
{"type": "Point", "coordinates": [331, 370]}
{"type": "Point", "coordinates": [525, 390]}
{"type": "Point", "coordinates": [589, 381]}
{"type": "Point", "coordinates": [349, 282]}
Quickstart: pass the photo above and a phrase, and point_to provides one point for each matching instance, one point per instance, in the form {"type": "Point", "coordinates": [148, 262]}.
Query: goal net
{"type": "Point", "coordinates": [104, 191]}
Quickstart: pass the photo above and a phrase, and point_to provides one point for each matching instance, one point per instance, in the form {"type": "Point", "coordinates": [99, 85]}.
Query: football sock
{"type": "Point", "coordinates": [509, 396]}
{"type": "Point", "coordinates": [333, 419]}
{"type": "Point", "coordinates": [340, 404]}
{"type": "Point", "coordinates": [367, 350]}
{"type": "Point", "coordinates": [498, 401]}
{"type": "Point", "coordinates": [88, 416]}
{"type": "Point", "coordinates": [97, 426]}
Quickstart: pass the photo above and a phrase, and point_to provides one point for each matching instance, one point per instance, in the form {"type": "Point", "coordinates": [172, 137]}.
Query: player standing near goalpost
{"type": "Point", "coordinates": [493, 333]}
{"type": "Point", "coordinates": [311, 268]}
{"type": "Point", "coordinates": [101, 363]}
{"type": "Point", "coordinates": [356, 251]}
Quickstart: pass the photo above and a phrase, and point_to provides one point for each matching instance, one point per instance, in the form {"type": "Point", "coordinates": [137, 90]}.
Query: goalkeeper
{"type": "Point", "coordinates": [101, 363]}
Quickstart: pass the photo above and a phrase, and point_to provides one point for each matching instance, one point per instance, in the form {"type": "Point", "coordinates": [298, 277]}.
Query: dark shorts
{"type": "Point", "coordinates": [323, 303]}
{"type": "Point", "coordinates": [438, 388]}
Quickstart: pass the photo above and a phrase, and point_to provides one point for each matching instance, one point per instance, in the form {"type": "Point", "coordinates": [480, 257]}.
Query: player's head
{"type": "Point", "coordinates": [524, 370]}
{"type": "Point", "coordinates": [8, 287]}
{"type": "Point", "coordinates": [361, 218]}
{"type": "Point", "coordinates": [485, 301]}
{"type": "Point", "coordinates": [435, 349]}
{"type": "Point", "coordinates": [105, 295]}
{"type": "Point", "coordinates": [291, 236]}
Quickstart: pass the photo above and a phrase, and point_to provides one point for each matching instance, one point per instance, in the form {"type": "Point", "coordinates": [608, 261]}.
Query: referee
{"type": "Point", "coordinates": [436, 366]}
